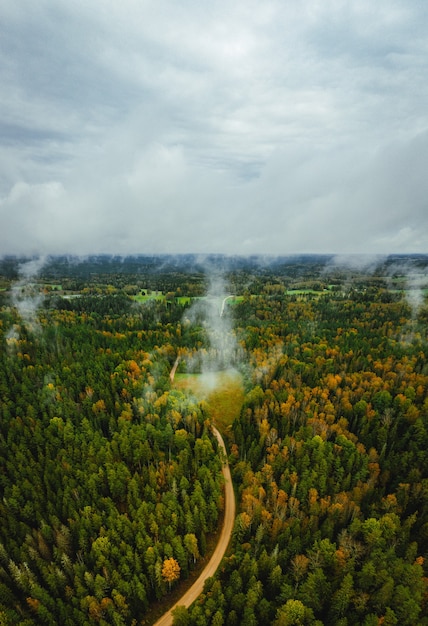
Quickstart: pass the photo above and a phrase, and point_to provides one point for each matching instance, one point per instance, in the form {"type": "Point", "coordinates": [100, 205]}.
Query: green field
{"type": "Point", "coordinates": [159, 295]}
{"type": "Point", "coordinates": [222, 391]}
{"type": "Point", "coordinates": [144, 297]}
{"type": "Point", "coordinates": [53, 287]}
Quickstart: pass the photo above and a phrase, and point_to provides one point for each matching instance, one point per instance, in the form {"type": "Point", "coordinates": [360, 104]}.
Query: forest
{"type": "Point", "coordinates": [111, 485]}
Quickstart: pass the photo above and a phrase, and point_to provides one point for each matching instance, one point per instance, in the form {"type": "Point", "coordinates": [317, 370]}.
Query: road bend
{"type": "Point", "coordinates": [226, 532]}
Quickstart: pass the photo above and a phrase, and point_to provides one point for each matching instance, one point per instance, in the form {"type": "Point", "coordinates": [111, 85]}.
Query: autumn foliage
{"type": "Point", "coordinates": [110, 480]}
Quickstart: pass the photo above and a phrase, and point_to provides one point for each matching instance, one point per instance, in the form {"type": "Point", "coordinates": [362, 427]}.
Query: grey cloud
{"type": "Point", "coordinates": [244, 127]}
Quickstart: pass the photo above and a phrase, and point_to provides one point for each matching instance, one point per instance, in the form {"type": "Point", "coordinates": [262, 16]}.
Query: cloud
{"type": "Point", "coordinates": [243, 128]}
{"type": "Point", "coordinates": [223, 348]}
{"type": "Point", "coordinates": [25, 297]}
{"type": "Point", "coordinates": [409, 276]}
{"type": "Point", "coordinates": [366, 263]}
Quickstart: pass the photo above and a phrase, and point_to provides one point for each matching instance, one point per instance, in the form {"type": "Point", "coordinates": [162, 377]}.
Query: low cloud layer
{"type": "Point", "coordinates": [239, 128]}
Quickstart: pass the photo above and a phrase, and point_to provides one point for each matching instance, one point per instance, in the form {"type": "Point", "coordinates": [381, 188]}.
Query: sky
{"type": "Point", "coordinates": [242, 127]}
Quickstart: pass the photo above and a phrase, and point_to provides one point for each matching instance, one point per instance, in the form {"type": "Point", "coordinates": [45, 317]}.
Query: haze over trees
{"type": "Point", "coordinates": [110, 477]}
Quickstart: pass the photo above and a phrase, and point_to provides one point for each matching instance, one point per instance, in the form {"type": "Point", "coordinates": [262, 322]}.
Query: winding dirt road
{"type": "Point", "coordinates": [229, 518]}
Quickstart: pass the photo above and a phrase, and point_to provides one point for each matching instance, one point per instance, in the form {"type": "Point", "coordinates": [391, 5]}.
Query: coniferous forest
{"type": "Point", "coordinates": [110, 481]}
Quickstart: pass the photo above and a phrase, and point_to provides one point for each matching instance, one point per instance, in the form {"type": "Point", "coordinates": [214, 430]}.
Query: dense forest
{"type": "Point", "coordinates": [330, 457]}
{"type": "Point", "coordinates": [111, 479]}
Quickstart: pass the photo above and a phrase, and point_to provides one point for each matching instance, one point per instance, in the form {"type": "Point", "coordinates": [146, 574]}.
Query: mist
{"type": "Point", "coordinates": [413, 281]}
{"type": "Point", "coordinates": [25, 296]}
{"type": "Point", "coordinates": [211, 313]}
{"type": "Point", "coordinates": [367, 263]}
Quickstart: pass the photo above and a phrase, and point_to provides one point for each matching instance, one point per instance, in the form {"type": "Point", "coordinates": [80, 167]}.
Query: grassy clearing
{"type": "Point", "coordinates": [302, 292]}
{"type": "Point", "coordinates": [143, 297]}
{"type": "Point", "coordinates": [235, 299]}
{"type": "Point", "coordinates": [52, 287]}
{"type": "Point", "coordinates": [222, 391]}
{"type": "Point", "coordinates": [159, 295]}
{"type": "Point", "coordinates": [184, 300]}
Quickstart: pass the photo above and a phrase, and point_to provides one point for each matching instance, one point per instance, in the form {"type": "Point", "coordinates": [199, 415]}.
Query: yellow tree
{"type": "Point", "coordinates": [170, 571]}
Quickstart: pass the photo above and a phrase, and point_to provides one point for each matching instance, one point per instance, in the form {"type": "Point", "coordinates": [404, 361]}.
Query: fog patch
{"type": "Point", "coordinates": [211, 313]}
{"type": "Point", "coordinates": [12, 340]}
{"type": "Point", "coordinates": [412, 280]}
{"type": "Point", "coordinates": [26, 296]}
{"type": "Point", "coordinates": [366, 263]}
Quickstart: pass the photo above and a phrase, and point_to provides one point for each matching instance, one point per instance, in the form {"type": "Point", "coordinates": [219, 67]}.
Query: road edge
{"type": "Point", "coordinates": [226, 533]}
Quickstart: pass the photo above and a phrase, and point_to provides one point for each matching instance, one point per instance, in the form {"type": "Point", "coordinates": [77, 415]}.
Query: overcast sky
{"type": "Point", "coordinates": [193, 126]}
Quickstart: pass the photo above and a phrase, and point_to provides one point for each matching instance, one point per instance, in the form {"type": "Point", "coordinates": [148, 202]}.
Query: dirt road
{"type": "Point", "coordinates": [229, 518]}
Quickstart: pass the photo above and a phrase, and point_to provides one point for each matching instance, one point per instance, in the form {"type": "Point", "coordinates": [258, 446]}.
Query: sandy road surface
{"type": "Point", "coordinates": [229, 518]}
